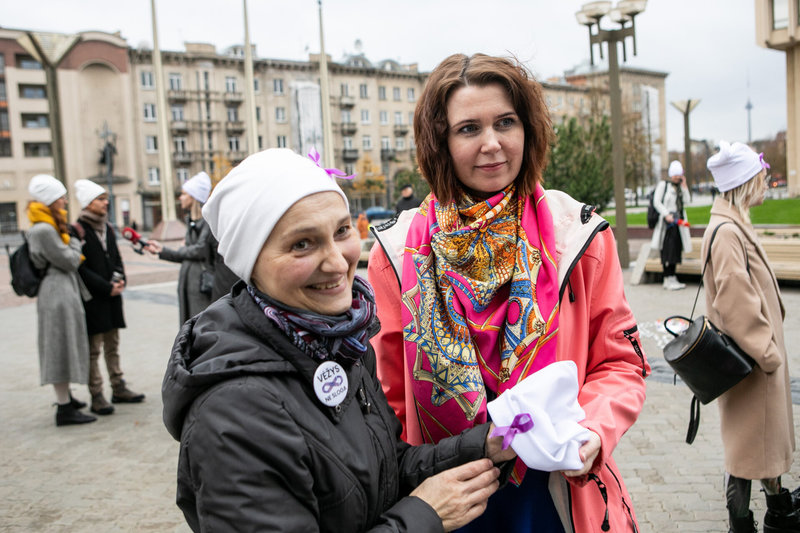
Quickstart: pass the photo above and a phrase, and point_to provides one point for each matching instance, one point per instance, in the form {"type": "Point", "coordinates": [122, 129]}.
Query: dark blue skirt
{"type": "Point", "coordinates": [523, 509]}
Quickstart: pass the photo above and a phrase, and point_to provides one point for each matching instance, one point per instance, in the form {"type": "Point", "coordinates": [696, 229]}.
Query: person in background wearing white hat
{"type": "Point", "coordinates": [196, 256]}
{"type": "Point", "coordinates": [104, 275]}
{"type": "Point", "coordinates": [272, 390]}
{"type": "Point", "coordinates": [62, 340]}
{"type": "Point", "coordinates": [743, 300]}
{"type": "Point", "coordinates": [669, 236]}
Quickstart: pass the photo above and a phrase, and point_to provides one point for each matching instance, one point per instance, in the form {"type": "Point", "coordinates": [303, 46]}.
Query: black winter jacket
{"type": "Point", "coordinates": [103, 311]}
{"type": "Point", "coordinates": [259, 452]}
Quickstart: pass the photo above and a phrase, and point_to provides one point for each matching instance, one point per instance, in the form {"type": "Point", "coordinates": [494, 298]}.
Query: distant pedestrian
{"type": "Point", "coordinates": [362, 225]}
{"type": "Point", "coordinates": [195, 255]}
{"type": "Point", "coordinates": [743, 300]}
{"type": "Point", "coordinates": [671, 234]}
{"type": "Point", "coordinates": [407, 199]}
{"type": "Point", "coordinates": [62, 340]}
{"type": "Point", "coordinates": [104, 275]}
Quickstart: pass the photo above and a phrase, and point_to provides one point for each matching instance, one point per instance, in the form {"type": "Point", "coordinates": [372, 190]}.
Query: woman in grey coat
{"type": "Point", "coordinates": [196, 255]}
{"type": "Point", "coordinates": [63, 342]}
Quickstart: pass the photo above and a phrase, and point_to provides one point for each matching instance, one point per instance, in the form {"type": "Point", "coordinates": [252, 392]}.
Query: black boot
{"type": "Point", "coordinates": [77, 404]}
{"type": "Point", "coordinates": [781, 516]}
{"type": "Point", "coordinates": [745, 524]}
{"type": "Point", "coordinates": [67, 415]}
{"type": "Point", "coordinates": [796, 499]}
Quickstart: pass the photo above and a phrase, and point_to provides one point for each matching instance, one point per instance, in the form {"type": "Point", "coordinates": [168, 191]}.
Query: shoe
{"type": "Point", "coordinates": [667, 283]}
{"type": "Point", "coordinates": [796, 498]}
{"type": "Point", "coordinates": [781, 517]}
{"type": "Point", "coordinates": [77, 404]}
{"type": "Point", "coordinates": [677, 285]}
{"type": "Point", "coordinates": [67, 415]}
{"type": "Point", "coordinates": [122, 394]}
{"type": "Point", "coordinates": [745, 524]}
{"type": "Point", "coordinates": [100, 405]}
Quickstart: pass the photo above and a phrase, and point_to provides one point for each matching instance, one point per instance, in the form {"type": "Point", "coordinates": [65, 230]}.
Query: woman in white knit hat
{"type": "Point", "coordinates": [196, 256]}
{"type": "Point", "coordinates": [670, 235]}
{"type": "Point", "coordinates": [272, 389]}
{"type": "Point", "coordinates": [743, 300]}
{"type": "Point", "coordinates": [63, 344]}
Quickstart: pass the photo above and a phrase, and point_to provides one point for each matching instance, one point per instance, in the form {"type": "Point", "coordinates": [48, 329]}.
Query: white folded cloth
{"type": "Point", "coordinates": [550, 397]}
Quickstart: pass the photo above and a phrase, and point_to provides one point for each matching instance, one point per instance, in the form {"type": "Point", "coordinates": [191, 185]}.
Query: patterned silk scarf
{"type": "Point", "coordinates": [344, 338]}
{"type": "Point", "coordinates": [480, 295]}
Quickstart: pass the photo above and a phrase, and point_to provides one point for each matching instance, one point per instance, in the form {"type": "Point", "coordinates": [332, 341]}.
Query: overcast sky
{"type": "Point", "coordinates": [706, 46]}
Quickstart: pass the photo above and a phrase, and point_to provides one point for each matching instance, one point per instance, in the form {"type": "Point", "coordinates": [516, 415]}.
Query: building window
{"type": "Point", "coordinates": [281, 141]}
{"type": "Point", "coordinates": [28, 63]}
{"type": "Point", "coordinates": [347, 142]}
{"type": "Point", "coordinates": [2, 63]}
{"type": "Point", "coordinates": [280, 114]}
{"type": "Point", "coordinates": [344, 89]}
{"type": "Point", "coordinates": [32, 91]}
{"type": "Point", "coordinates": [149, 112]}
{"type": "Point", "coordinates": [230, 84]}
{"type": "Point", "coordinates": [277, 86]}
{"type": "Point", "coordinates": [3, 95]}
{"type": "Point", "coordinates": [396, 94]}
{"type": "Point", "coordinates": [410, 118]}
{"type": "Point", "coordinates": [780, 14]}
{"type": "Point", "coordinates": [350, 169]}
{"type": "Point", "coordinates": [147, 79]}
{"type": "Point", "coordinates": [152, 176]}
{"type": "Point", "coordinates": [362, 91]}
{"type": "Point", "coordinates": [177, 112]}
{"type": "Point", "coordinates": [400, 143]}
{"type": "Point", "coordinates": [381, 93]}
{"type": "Point", "coordinates": [183, 175]}
{"type": "Point", "coordinates": [175, 81]}
{"type": "Point", "coordinates": [260, 142]}
{"type": "Point", "coordinates": [386, 143]}
{"type": "Point", "coordinates": [4, 120]}
{"type": "Point", "coordinates": [206, 82]}
{"type": "Point", "coordinates": [366, 142]}
{"type": "Point", "coordinates": [258, 113]}
{"type": "Point", "coordinates": [365, 116]}
{"type": "Point", "coordinates": [180, 144]}
{"type": "Point", "coordinates": [346, 117]}
{"type": "Point", "coordinates": [411, 96]}
{"type": "Point", "coordinates": [151, 144]}
{"type": "Point", "coordinates": [5, 147]}
{"type": "Point", "coordinates": [210, 141]}
{"type": "Point", "coordinates": [37, 150]}
{"type": "Point", "coordinates": [256, 85]}
{"type": "Point", "coordinates": [34, 120]}
{"type": "Point", "coordinates": [233, 144]}
{"type": "Point", "coordinates": [398, 118]}
{"type": "Point", "coordinates": [384, 115]}
{"type": "Point", "coordinates": [233, 114]}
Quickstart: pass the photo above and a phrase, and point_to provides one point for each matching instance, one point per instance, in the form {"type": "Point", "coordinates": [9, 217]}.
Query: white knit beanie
{"type": "Point", "coordinates": [245, 206]}
{"type": "Point", "coordinates": [734, 165]}
{"type": "Point", "coordinates": [86, 191]}
{"type": "Point", "coordinates": [675, 169]}
{"type": "Point", "coordinates": [46, 189]}
{"type": "Point", "coordinates": [198, 187]}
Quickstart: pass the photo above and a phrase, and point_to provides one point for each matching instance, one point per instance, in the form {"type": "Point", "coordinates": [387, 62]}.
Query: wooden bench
{"type": "Point", "coordinates": [783, 255]}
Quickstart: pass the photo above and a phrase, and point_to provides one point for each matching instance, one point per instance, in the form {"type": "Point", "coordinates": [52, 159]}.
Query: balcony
{"type": "Point", "coordinates": [177, 95]}
{"type": "Point", "coordinates": [350, 154]}
{"type": "Point", "coordinates": [349, 128]}
{"type": "Point", "coordinates": [346, 102]}
{"type": "Point", "coordinates": [234, 125]}
{"type": "Point", "coordinates": [179, 125]}
{"type": "Point", "coordinates": [233, 97]}
{"type": "Point", "coordinates": [400, 129]}
{"type": "Point", "coordinates": [183, 157]}
{"type": "Point", "coordinates": [387, 154]}
{"type": "Point", "coordinates": [236, 157]}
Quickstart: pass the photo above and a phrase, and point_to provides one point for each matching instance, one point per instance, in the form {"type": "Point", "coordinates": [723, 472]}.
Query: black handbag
{"type": "Point", "coordinates": [707, 360]}
{"type": "Point", "coordinates": [206, 281]}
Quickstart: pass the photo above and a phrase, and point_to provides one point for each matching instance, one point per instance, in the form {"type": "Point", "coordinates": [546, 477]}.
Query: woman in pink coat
{"type": "Point", "coordinates": [493, 279]}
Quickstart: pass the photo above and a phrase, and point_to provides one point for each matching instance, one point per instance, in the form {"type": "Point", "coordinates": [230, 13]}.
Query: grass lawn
{"type": "Point", "coordinates": [783, 211]}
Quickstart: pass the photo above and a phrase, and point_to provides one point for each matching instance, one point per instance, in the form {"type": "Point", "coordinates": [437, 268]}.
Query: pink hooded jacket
{"type": "Point", "coordinates": [597, 331]}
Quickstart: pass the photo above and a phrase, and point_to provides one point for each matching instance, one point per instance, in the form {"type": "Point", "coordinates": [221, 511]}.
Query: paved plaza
{"type": "Point", "coordinates": [118, 474]}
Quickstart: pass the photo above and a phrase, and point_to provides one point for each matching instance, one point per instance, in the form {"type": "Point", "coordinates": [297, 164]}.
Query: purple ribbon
{"type": "Point", "coordinates": [521, 423]}
{"type": "Point", "coordinates": [764, 164]}
{"type": "Point", "coordinates": [326, 388]}
{"type": "Point", "coordinates": [332, 172]}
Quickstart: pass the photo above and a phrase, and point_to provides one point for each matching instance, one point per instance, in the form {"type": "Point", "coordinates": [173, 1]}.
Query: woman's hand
{"type": "Point", "coordinates": [494, 448]}
{"type": "Point", "coordinates": [669, 219]}
{"type": "Point", "coordinates": [154, 247]}
{"type": "Point", "coordinates": [588, 453]}
{"type": "Point", "coordinates": [117, 287]}
{"type": "Point", "coordinates": [459, 495]}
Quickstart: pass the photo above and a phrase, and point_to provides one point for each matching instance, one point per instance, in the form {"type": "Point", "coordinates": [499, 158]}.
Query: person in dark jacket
{"type": "Point", "coordinates": [104, 275]}
{"type": "Point", "coordinates": [407, 199]}
{"type": "Point", "coordinates": [272, 390]}
{"type": "Point", "coordinates": [195, 256]}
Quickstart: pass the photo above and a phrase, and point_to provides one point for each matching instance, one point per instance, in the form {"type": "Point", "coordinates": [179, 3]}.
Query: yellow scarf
{"type": "Point", "coordinates": [38, 212]}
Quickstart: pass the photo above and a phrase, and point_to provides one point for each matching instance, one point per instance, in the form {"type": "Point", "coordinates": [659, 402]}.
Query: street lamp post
{"type": "Point", "coordinates": [590, 16]}
{"type": "Point", "coordinates": [686, 107]}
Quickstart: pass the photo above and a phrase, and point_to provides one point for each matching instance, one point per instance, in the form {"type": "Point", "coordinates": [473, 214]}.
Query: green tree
{"type": "Point", "coordinates": [580, 161]}
{"type": "Point", "coordinates": [415, 179]}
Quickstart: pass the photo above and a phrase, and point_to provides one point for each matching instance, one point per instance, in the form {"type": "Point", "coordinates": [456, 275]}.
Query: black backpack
{"type": "Point", "coordinates": [25, 278]}
{"type": "Point", "coordinates": [652, 214]}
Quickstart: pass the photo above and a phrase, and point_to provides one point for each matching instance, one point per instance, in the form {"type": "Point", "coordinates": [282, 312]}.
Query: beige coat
{"type": "Point", "coordinates": [755, 415]}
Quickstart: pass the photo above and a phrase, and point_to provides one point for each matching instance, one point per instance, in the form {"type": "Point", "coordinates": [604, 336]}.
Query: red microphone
{"type": "Point", "coordinates": [132, 235]}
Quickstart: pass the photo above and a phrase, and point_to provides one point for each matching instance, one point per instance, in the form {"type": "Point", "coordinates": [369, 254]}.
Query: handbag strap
{"type": "Point", "coordinates": [694, 420]}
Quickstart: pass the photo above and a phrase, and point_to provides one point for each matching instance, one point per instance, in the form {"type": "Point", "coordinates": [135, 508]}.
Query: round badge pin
{"type": "Point", "coordinates": [330, 383]}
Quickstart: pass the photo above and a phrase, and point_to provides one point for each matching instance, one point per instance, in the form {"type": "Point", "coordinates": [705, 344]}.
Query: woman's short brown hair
{"type": "Point", "coordinates": [431, 128]}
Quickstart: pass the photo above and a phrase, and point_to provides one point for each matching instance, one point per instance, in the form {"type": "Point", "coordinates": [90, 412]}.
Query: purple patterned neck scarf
{"type": "Point", "coordinates": [344, 338]}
